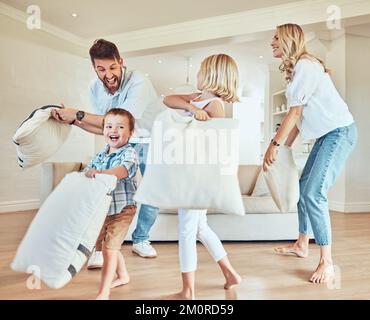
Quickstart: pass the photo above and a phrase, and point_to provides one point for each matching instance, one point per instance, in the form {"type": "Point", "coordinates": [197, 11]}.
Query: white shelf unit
{"type": "Point", "coordinates": [279, 110]}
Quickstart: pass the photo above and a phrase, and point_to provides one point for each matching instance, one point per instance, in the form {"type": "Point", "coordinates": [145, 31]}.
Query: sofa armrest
{"type": "Point", "coordinates": [52, 173]}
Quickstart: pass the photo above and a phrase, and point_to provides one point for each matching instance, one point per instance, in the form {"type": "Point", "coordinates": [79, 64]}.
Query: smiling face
{"type": "Point", "coordinates": [116, 131]}
{"type": "Point", "coordinates": [109, 72]}
{"type": "Point", "coordinates": [277, 50]}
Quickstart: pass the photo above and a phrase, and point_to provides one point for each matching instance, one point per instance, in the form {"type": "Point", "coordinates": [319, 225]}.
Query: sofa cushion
{"type": "Point", "coordinates": [259, 205]}
{"type": "Point", "coordinates": [261, 189]}
{"type": "Point", "coordinates": [251, 205]}
{"type": "Point", "coordinates": [282, 180]}
{"type": "Point", "coordinates": [247, 175]}
{"type": "Point", "coordinates": [39, 137]}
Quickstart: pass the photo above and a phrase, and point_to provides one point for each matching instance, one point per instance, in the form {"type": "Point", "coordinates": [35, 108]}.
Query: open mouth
{"type": "Point", "coordinates": [111, 82]}
{"type": "Point", "coordinates": [114, 138]}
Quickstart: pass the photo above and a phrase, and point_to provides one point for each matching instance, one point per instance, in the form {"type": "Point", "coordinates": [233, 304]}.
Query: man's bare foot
{"type": "Point", "coordinates": [232, 280]}
{"type": "Point", "coordinates": [296, 249]}
{"type": "Point", "coordinates": [102, 296]}
{"type": "Point", "coordinates": [121, 281]}
{"type": "Point", "coordinates": [180, 296]}
{"type": "Point", "coordinates": [324, 272]}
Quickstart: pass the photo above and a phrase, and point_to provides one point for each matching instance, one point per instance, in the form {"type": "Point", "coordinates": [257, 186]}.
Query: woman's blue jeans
{"type": "Point", "coordinates": [324, 164]}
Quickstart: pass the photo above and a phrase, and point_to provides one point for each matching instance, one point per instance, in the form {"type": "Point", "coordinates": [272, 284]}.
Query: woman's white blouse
{"type": "Point", "coordinates": [323, 108]}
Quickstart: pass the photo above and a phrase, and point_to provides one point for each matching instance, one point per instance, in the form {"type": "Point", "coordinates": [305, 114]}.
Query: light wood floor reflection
{"type": "Point", "coordinates": [266, 275]}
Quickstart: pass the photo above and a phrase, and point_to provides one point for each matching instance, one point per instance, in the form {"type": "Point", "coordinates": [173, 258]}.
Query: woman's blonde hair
{"type": "Point", "coordinates": [291, 38]}
{"type": "Point", "coordinates": [219, 74]}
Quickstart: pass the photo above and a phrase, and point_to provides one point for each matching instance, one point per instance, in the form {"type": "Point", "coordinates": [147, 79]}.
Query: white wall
{"type": "Point", "coordinates": [358, 98]}
{"type": "Point", "coordinates": [348, 60]}
{"type": "Point", "coordinates": [336, 62]}
{"type": "Point", "coordinates": [32, 75]}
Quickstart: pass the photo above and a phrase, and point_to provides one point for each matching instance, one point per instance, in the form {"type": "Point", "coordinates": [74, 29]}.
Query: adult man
{"type": "Point", "coordinates": [116, 87]}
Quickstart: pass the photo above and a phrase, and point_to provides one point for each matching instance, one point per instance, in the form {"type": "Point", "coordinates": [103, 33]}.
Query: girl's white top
{"type": "Point", "coordinates": [202, 103]}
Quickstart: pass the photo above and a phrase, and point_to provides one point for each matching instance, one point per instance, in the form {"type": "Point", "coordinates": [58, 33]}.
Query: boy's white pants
{"type": "Point", "coordinates": [192, 226]}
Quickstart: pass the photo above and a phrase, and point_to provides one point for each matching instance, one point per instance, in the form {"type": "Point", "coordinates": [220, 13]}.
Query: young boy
{"type": "Point", "coordinates": [119, 159]}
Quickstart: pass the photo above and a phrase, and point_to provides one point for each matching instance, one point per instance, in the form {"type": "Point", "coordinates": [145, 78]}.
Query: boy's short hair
{"type": "Point", "coordinates": [123, 113]}
{"type": "Point", "coordinates": [103, 49]}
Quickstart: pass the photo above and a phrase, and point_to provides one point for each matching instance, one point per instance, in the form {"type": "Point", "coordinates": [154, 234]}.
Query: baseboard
{"type": "Point", "coordinates": [349, 206]}
{"type": "Point", "coordinates": [22, 205]}
{"type": "Point", "coordinates": [337, 206]}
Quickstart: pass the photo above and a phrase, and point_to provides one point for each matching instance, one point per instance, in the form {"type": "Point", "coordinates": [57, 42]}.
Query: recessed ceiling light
{"type": "Point", "coordinates": [162, 95]}
{"type": "Point", "coordinates": [170, 88]}
{"type": "Point", "coordinates": [261, 57]}
{"type": "Point", "coordinates": [190, 65]}
{"type": "Point", "coordinates": [74, 15]}
{"type": "Point", "coordinates": [147, 74]}
{"type": "Point", "coordinates": [159, 61]}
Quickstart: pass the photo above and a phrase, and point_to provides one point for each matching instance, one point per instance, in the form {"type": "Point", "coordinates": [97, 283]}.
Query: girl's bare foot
{"type": "Point", "coordinates": [102, 296]}
{"type": "Point", "coordinates": [120, 281]}
{"type": "Point", "coordinates": [182, 295]}
{"type": "Point", "coordinates": [232, 280]}
{"type": "Point", "coordinates": [296, 249]}
{"type": "Point", "coordinates": [324, 272]}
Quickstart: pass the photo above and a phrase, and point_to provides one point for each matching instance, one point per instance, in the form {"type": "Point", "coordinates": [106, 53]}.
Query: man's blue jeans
{"type": "Point", "coordinates": [147, 214]}
{"type": "Point", "coordinates": [324, 164]}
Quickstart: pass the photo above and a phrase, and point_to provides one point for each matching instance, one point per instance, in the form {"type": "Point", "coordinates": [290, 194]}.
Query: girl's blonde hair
{"type": "Point", "coordinates": [291, 38]}
{"type": "Point", "coordinates": [219, 74]}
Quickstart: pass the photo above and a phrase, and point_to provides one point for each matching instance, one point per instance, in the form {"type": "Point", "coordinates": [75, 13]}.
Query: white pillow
{"type": "Point", "coordinates": [63, 232]}
{"type": "Point", "coordinates": [283, 182]}
{"type": "Point", "coordinates": [176, 176]}
{"type": "Point", "coordinates": [261, 189]}
{"type": "Point", "coordinates": [39, 137]}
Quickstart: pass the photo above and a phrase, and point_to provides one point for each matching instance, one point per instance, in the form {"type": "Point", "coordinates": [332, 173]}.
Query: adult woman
{"type": "Point", "coordinates": [317, 111]}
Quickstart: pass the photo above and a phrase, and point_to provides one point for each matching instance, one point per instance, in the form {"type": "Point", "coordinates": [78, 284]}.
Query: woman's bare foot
{"type": "Point", "coordinates": [120, 281]}
{"type": "Point", "coordinates": [182, 295]}
{"type": "Point", "coordinates": [232, 280]}
{"type": "Point", "coordinates": [296, 249]}
{"type": "Point", "coordinates": [324, 272]}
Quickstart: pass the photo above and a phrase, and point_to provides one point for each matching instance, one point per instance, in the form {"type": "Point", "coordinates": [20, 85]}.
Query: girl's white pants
{"type": "Point", "coordinates": [192, 226]}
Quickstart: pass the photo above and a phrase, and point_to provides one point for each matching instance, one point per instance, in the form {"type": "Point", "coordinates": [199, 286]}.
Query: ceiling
{"type": "Point", "coordinates": [102, 18]}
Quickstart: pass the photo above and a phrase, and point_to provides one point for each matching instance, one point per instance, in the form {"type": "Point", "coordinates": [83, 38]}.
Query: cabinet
{"type": "Point", "coordinates": [279, 109]}
{"type": "Point", "coordinates": [301, 147]}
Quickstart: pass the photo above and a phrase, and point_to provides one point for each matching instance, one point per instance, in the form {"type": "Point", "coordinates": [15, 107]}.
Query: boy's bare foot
{"type": "Point", "coordinates": [324, 272]}
{"type": "Point", "coordinates": [180, 296]}
{"type": "Point", "coordinates": [121, 281]}
{"type": "Point", "coordinates": [296, 249]}
{"type": "Point", "coordinates": [232, 280]}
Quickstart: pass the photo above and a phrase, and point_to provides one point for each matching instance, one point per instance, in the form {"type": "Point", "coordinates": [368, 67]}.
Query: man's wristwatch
{"type": "Point", "coordinates": [274, 143]}
{"type": "Point", "coordinates": [80, 115]}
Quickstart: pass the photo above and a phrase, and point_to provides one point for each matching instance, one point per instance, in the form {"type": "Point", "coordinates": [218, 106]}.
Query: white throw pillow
{"type": "Point", "coordinates": [261, 189]}
{"type": "Point", "coordinates": [283, 182]}
{"type": "Point", "coordinates": [64, 231]}
{"type": "Point", "coordinates": [192, 165]}
{"type": "Point", "coordinates": [39, 137]}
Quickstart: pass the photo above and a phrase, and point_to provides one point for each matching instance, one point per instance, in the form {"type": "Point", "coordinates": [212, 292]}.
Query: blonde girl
{"type": "Point", "coordinates": [218, 83]}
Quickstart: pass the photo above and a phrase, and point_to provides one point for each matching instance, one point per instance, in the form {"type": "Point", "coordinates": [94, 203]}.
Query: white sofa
{"type": "Point", "coordinates": [262, 220]}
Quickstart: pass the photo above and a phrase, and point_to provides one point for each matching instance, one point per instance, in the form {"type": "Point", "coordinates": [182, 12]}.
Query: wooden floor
{"type": "Point", "coordinates": [265, 274]}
